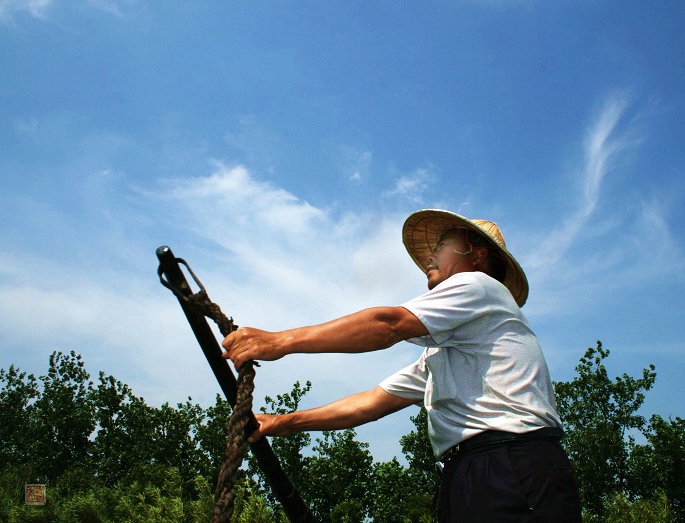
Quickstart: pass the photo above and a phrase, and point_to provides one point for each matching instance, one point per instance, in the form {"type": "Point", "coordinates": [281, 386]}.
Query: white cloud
{"type": "Point", "coordinates": [290, 250]}
{"type": "Point", "coordinates": [651, 233]}
{"type": "Point", "coordinates": [231, 198]}
{"type": "Point", "coordinates": [37, 8]}
{"type": "Point", "coordinates": [410, 187]}
{"type": "Point", "coordinates": [110, 6]}
{"type": "Point", "coordinates": [604, 141]}
{"type": "Point", "coordinates": [354, 163]}
{"type": "Point", "coordinates": [599, 251]}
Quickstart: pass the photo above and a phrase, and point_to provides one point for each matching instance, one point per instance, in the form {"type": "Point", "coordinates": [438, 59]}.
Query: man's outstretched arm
{"type": "Point", "coordinates": [364, 331]}
{"type": "Point", "coordinates": [344, 413]}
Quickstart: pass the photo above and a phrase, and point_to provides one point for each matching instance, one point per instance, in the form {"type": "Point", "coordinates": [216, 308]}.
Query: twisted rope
{"type": "Point", "coordinates": [224, 495]}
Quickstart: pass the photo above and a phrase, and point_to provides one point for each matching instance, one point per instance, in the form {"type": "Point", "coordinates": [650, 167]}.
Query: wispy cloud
{"type": "Point", "coordinates": [109, 6]}
{"type": "Point", "coordinates": [605, 140]}
{"type": "Point", "coordinates": [410, 187]}
{"type": "Point", "coordinates": [36, 8]}
{"type": "Point", "coordinates": [39, 8]}
{"type": "Point", "coordinates": [273, 236]}
{"type": "Point", "coordinates": [600, 248]}
{"type": "Point", "coordinates": [652, 234]}
{"type": "Point", "coordinates": [257, 143]}
{"type": "Point", "coordinates": [354, 163]}
{"type": "Point", "coordinates": [237, 211]}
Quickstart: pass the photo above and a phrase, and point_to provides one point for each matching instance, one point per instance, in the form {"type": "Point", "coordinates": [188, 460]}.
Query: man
{"type": "Point", "coordinates": [482, 378]}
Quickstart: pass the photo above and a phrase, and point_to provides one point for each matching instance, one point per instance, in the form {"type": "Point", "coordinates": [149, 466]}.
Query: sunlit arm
{"type": "Point", "coordinates": [364, 331]}
{"type": "Point", "coordinates": [345, 413]}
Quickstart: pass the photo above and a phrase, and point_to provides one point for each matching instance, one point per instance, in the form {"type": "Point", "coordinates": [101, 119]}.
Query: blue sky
{"type": "Point", "coordinates": [278, 148]}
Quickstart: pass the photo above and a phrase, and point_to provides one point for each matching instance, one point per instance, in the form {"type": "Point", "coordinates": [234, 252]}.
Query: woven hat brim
{"type": "Point", "coordinates": [422, 229]}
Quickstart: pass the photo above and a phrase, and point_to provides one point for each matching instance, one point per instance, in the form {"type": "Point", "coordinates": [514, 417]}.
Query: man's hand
{"type": "Point", "coordinates": [246, 343]}
{"type": "Point", "coordinates": [268, 425]}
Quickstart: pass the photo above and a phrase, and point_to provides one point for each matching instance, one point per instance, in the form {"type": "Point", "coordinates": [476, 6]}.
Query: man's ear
{"type": "Point", "coordinates": [481, 255]}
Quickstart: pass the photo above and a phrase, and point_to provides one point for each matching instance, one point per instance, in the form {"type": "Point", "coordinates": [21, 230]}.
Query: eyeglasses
{"type": "Point", "coordinates": [471, 238]}
{"type": "Point", "coordinates": [442, 243]}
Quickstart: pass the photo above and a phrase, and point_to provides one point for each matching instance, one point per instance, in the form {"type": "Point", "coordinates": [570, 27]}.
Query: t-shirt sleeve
{"type": "Point", "coordinates": [408, 383]}
{"type": "Point", "coordinates": [451, 305]}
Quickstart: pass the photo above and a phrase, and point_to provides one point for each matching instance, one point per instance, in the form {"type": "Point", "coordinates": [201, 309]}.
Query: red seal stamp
{"type": "Point", "coordinates": [34, 494]}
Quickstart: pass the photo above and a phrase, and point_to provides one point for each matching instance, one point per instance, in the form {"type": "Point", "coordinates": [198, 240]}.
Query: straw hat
{"type": "Point", "coordinates": [422, 230]}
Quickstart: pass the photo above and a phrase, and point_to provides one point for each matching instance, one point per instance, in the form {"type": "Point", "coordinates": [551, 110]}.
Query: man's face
{"type": "Point", "coordinates": [450, 256]}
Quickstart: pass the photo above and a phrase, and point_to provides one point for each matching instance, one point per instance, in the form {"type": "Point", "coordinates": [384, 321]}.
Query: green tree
{"type": "Point", "coordinates": [290, 448]}
{"type": "Point", "coordinates": [392, 489]}
{"type": "Point", "coordinates": [619, 509]}
{"type": "Point", "coordinates": [124, 436]}
{"type": "Point", "coordinates": [149, 494]}
{"type": "Point", "coordinates": [199, 510]}
{"type": "Point", "coordinates": [211, 437]}
{"type": "Point", "coordinates": [13, 477]}
{"type": "Point", "coordinates": [84, 507]}
{"type": "Point", "coordinates": [383, 491]}
{"type": "Point", "coordinates": [252, 507]}
{"type": "Point", "coordinates": [174, 433]}
{"type": "Point", "coordinates": [417, 449]}
{"type": "Point", "coordinates": [341, 471]}
{"type": "Point", "coordinates": [598, 415]}
{"type": "Point", "coordinates": [130, 433]}
{"type": "Point", "coordinates": [658, 465]}
{"type": "Point", "coordinates": [154, 464]}
{"type": "Point", "coordinates": [64, 416]}
{"type": "Point", "coordinates": [18, 393]}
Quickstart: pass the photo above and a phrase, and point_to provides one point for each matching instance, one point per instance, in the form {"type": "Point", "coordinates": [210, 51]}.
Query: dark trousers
{"type": "Point", "coordinates": [521, 481]}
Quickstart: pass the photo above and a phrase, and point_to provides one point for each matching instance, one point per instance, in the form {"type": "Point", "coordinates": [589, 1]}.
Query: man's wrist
{"type": "Point", "coordinates": [285, 343]}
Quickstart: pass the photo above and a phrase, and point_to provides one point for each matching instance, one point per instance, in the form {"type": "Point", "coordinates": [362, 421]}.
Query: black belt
{"type": "Point", "coordinates": [496, 437]}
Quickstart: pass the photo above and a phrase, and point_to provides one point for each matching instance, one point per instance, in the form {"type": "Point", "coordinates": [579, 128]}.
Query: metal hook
{"type": "Point", "coordinates": [179, 294]}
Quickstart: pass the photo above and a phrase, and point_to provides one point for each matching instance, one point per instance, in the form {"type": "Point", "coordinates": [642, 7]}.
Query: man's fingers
{"type": "Point", "coordinates": [231, 344]}
{"type": "Point", "coordinates": [246, 344]}
{"type": "Point", "coordinates": [228, 341]}
{"type": "Point", "coordinates": [255, 436]}
{"type": "Point", "coordinates": [256, 433]}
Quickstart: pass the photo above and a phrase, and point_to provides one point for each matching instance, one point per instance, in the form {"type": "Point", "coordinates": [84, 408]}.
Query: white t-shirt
{"type": "Point", "coordinates": [482, 368]}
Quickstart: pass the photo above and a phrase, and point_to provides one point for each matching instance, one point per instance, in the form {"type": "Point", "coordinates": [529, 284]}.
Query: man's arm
{"type": "Point", "coordinates": [345, 413]}
{"type": "Point", "coordinates": [364, 331]}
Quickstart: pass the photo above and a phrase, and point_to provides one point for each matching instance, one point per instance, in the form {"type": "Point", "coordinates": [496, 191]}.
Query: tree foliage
{"type": "Point", "coordinates": [108, 457]}
{"type": "Point", "coordinates": [341, 469]}
{"type": "Point", "coordinates": [64, 417]}
{"type": "Point", "coordinates": [657, 466]}
{"type": "Point", "coordinates": [124, 434]}
{"type": "Point", "coordinates": [416, 447]}
{"type": "Point", "coordinates": [17, 415]}
{"type": "Point", "coordinates": [601, 420]}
